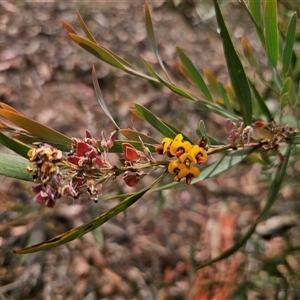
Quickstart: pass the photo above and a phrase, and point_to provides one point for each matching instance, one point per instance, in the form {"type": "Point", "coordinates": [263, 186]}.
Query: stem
{"type": "Point", "coordinates": [233, 147]}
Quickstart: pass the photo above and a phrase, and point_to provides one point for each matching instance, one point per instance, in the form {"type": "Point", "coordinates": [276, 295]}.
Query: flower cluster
{"type": "Point", "coordinates": [85, 168]}
{"type": "Point", "coordinates": [186, 154]}
{"type": "Point", "coordinates": [81, 171]}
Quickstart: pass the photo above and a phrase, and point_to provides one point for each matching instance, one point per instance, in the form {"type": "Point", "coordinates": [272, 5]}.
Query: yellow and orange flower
{"type": "Point", "coordinates": [186, 153]}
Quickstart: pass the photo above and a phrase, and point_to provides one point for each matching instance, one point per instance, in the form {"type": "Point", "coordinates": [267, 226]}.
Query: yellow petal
{"type": "Point", "coordinates": [178, 137]}
{"type": "Point", "coordinates": [195, 172]}
{"type": "Point", "coordinates": [172, 166]}
{"type": "Point", "coordinates": [184, 171]}
{"type": "Point", "coordinates": [199, 154]}
{"type": "Point", "coordinates": [175, 146]}
{"type": "Point", "coordinates": [166, 142]}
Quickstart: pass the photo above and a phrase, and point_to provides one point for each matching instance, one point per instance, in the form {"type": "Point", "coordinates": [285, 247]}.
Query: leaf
{"type": "Point", "coordinates": [222, 165]}
{"type": "Point", "coordinates": [85, 28]}
{"type": "Point", "coordinates": [133, 135]}
{"type": "Point", "coordinates": [220, 111]}
{"type": "Point", "coordinates": [286, 86]}
{"type": "Point", "coordinates": [92, 39]}
{"type": "Point", "coordinates": [261, 105]}
{"type": "Point", "coordinates": [214, 169]}
{"type": "Point", "coordinates": [211, 79]}
{"type": "Point", "coordinates": [107, 56]}
{"type": "Point", "coordinates": [285, 92]}
{"type": "Point", "coordinates": [296, 138]}
{"type": "Point", "coordinates": [271, 31]}
{"type": "Point", "coordinates": [100, 97]}
{"type": "Point", "coordinates": [202, 129]}
{"type": "Point", "coordinates": [150, 115]}
{"type": "Point", "coordinates": [297, 66]}
{"type": "Point", "coordinates": [89, 226]}
{"type": "Point", "coordinates": [155, 122]}
{"type": "Point", "coordinates": [211, 141]}
{"type": "Point", "coordinates": [194, 74]}
{"type": "Point", "coordinates": [276, 77]}
{"type": "Point", "coordinates": [98, 51]}
{"type": "Point", "coordinates": [9, 108]}
{"type": "Point", "coordinates": [236, 71]}
{"type": "Point", "coordinates": [68, 27]}
{"type": "Point", "coordinates": [37, 129]}
{"type": "Point", "coordinates": [224, 96]}
{"type": "Point", "coordinates": [275, 187]}
{"type": "Point", "coordinates": [151, 37]}
{"type": "Point", "coordinates": [172, 87]}
{"type": "Point", "coordinates": [14, 145]}
{"type": "Point", "coordinates": [256, 15]}
{"type": "Point", "coordinates": [248, 53]}
{"type": "Point", "coordinates": [14, 166]}
{"type": "Point", "coordinates": [201, 132]}
{"type": "Point", "coordinates": [256, 11]}
{"type": "Point", "coordinates": [288, 45]}
{"type": "Point", "coordinates": [29, 140]}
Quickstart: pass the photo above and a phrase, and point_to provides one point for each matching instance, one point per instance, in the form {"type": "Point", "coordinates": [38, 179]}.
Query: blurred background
{"type": "Point", "coordinates": [151, 251]}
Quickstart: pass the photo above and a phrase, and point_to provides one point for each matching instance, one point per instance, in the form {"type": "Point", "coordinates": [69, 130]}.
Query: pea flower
{"type": "Point", "coordinates": [186, 154]}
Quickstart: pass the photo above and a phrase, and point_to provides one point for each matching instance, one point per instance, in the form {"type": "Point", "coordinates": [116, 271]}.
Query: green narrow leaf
{"type": "Point", "coordinates": [14, 167]}
{"type": "Point", "coordinates": [201, 132]}
{"type": "Point", "coordinates": [256, 15]}
{"type": "Point", "coordinates": [271, 31]}
{"type": "Point", "coordinates": [29, 140]}
{"type": "Point", "coordinates": [37, 129]}
{"type": "Point", "coordinates": [194, 74]}
{"type": "Point", "coordinates": [297, 66]}
{"type": "Point", "coordinates": [98, 234]}
{"type": "Point", "coordinates": [89, 226]}
{"type": "Point", "coordinates": [296, 138]}
{"type": "Point", "coordinates": [288, 45]}
{"type": "Point", "coordinates": [216, 168]}
{"type": "Point", "coordinates": [85, 28]}
{"type": "Point", "coordinates": [151, 37]}
{"type": "Point", "coordinates": [285, 92]}
{"type": "Point", "coordinates": [261, 105]}
{"type": "Point", "coordinates": [172, 87]}
{"type": "Point", "coordinates": [224, 96]}
{"type": "Point", "coordinates": [211, 141]}
{"type": "Point", "coordinates": [276, 77]}
{"type": "Point", "coordinates": [100, 97]}
{"type": "Point", "coordinates": [256, 11]}
{"type": "Point", "coordinates": [220, 111]}
{"type": "Point", "coordinates": [286, 86]}
{"type": "Point", "coordinates": [150, 29]}
{"type": "Point", "coordinates": [14, 145]}
{"type": "Point", "coordinates": [235, 68]}
{"type": "Point", "coordinates": [275, 187]}
{"type": "Point", "coordinates": [133, 135]}
{"type": "Point", "coordinates": [155, 122]}
{"type": "Point", "coordinates": [202, 129]}
{"type": "Point", "coordinates": [170, 127]}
